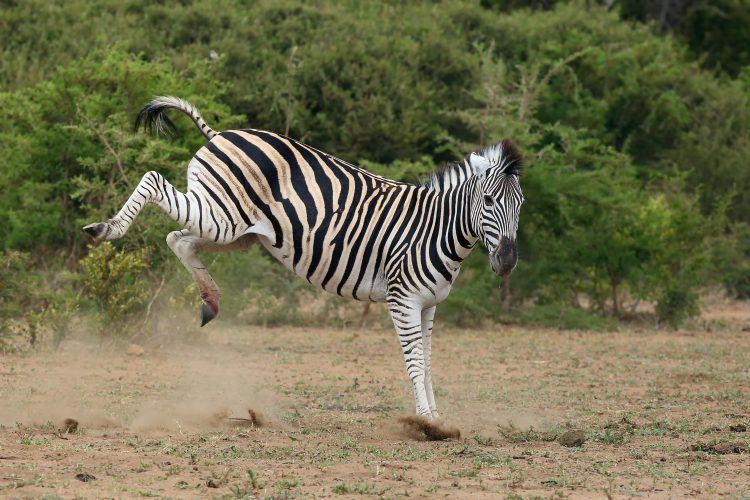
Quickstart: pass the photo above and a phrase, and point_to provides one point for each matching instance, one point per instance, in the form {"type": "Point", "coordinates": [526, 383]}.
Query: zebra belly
{"type": "Point", "coordinates": [330, 277]}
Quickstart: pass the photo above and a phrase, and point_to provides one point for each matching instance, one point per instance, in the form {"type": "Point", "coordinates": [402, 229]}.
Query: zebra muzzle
{"type": "Point", "coordinates": [505, 257]}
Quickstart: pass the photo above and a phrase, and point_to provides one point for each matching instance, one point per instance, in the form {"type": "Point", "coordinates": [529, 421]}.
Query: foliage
{"type": "Point", "coordinates": [563, 316]}
{"type": "Point", "coordinates": [33, 304]}
{"type": "Point", "coordinates": [637, 184]}
{"type": "Point", "coordinates": [113, 280]}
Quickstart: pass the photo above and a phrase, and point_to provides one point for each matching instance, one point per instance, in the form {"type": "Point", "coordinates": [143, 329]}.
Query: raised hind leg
{"type": "Point", "coordinates": [195, 211]}
{"type": "Point", "coordinates": [153, 188]}
{"type": "Point", "coordinates": [208, 224]}
{"type": "Point", "coordinates": [186, 245]}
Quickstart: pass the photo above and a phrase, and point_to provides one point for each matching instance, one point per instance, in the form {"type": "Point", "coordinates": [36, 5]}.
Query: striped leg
{"type": "Point", "coordinates": [427, 316]}
{"type": "Point", "coordinates": [185, 245]}
{"type": "Point", "coordinates": [408, 322]}
{"type": "Point", "coordinates": [153, 188]}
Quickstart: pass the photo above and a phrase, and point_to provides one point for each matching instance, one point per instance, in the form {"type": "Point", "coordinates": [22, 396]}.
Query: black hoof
{"type": "Point", "coordinates": [95, 230]}
{"type": "Point", "coordinates": [207, 314]}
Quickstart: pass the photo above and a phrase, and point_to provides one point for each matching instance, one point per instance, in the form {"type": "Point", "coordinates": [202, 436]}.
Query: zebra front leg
{"type": "Point", "coordinates": [407, 319]}
{"type": "Point", "coordinates": [185, 245]}
{"type": "Point", "coordinates": [152, 188]}
{"type": "Point", "coordinates": [427, 319]}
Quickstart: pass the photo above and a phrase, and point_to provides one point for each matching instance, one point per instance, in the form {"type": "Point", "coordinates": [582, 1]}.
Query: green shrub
{"type": "Point", "coordinates": [34, 305]}
{"type": "Point", "coordinates": [114, 281]}
{"type": "Point", "coordinates": [676, 305]}
{"type": "Point", "coordinates": [636, 179]}
{"type": "Point", "coordinates": [565, 317]}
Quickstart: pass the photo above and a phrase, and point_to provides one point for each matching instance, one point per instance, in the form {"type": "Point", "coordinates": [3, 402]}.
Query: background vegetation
{"type": "Point", "coordinates": [633, 115]}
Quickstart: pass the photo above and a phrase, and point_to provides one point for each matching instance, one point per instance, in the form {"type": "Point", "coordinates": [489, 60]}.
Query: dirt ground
{"type": "Point", "coordinates": [662, 414]}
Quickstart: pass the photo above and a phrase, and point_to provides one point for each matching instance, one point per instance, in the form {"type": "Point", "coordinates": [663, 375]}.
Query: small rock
{"type": "Point", "coordinates": [721, 448]}
{"type": "Point", "coordinates": [573, 439]}
{"type": "Point", "coordinates": [212, 484]}
{"type": "Point", "coordinates": [738, 428]}
{"type": "Point", "coordinates": [85, 477]}
{"type": "Point", "coordinates": [70, 425]}
{"type": "Point", "coordinates": [729, 448]}
{"type": "Point", "coordinates": [135, 350]}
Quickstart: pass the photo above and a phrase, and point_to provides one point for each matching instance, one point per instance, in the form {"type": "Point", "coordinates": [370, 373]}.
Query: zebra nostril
{"type": "Point", "coordinates": [507, 248]}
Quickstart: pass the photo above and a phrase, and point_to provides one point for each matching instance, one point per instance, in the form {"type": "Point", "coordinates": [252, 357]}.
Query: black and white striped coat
{"type": "Point", "coordinates": [341, 228]}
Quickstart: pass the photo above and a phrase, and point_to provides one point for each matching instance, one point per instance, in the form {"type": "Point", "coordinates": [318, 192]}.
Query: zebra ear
{"type": "Point", "coordinates": [480, 164]}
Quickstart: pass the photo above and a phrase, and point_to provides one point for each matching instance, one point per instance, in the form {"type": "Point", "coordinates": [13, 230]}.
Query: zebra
{"type": "Point", "coordinates": [343, 229]}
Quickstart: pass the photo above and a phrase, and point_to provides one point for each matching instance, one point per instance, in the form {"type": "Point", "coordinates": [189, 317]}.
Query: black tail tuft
{"type": "Point", "coordinates": [153, 118]}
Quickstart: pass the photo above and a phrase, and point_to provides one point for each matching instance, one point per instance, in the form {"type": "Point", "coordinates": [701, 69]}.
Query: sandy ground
{"type": "Point", "coordinates": [656, 409]}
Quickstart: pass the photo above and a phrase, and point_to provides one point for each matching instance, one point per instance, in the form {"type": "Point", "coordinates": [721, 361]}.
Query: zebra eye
{"type": "Point", "coordinates": [488, 200]}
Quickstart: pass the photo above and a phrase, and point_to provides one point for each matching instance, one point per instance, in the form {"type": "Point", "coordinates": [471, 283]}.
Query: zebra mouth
{"type": "Point", "coordinates": [504, 258]}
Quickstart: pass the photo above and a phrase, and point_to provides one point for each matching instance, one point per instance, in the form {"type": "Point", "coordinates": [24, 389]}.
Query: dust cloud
{"type": "Point", "coordinates": [174, 383]}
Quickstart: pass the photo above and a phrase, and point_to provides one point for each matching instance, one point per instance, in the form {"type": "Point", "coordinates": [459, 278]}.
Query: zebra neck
{"type": "Point", "coordinates": [462, 232]}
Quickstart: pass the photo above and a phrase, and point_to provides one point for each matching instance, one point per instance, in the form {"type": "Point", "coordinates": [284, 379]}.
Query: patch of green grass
{"type": "Point", "coordinates": [464, 473]}
{"type": "Point", "coordinates": [515, 435]}
{"type": "Point", "coordinates": [565, 317]}
{"type": "Point", "coordinates": [360, 488]}
{"type": "Point", "coordinates": [232, 453]}
{"type": "Point", "coordinates": [483, 440]}
{"type": "Point", "coordinates": [342, 489]}
{"type": "Point", "coordinates": [287, 484]}
{"type": "Point", "coordinates": [142, 467]}
{"type": "Point", "coordinates": [246, 489]}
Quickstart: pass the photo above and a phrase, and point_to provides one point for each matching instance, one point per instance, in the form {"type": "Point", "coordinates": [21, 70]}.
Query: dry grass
{"type": "Point", "coordinates": [662, 414]}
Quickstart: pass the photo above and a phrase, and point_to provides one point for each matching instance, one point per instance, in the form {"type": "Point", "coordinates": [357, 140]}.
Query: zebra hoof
{"type": "Point", "coordinates": [95, 230]}
{"type": "Point", "coordinates": [207, 313]}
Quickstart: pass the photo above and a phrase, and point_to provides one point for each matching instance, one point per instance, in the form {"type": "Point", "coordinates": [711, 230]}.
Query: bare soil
{"type": "Point", "coordinates": [243, 411]}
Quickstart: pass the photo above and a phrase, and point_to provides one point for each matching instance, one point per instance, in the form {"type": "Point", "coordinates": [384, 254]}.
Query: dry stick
{"type": "Point", "coordinates": [532, 90]}
{"type": "Point", "coordinates": [151, 303]}
{"type": "Point", "coordinates": [103, 139]}
{"type": "Point", "coordinates": [365, 313]}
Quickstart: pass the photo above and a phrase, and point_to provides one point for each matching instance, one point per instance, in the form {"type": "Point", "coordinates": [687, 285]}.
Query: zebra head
{"type": "Point", "coordinates": [497, 202]}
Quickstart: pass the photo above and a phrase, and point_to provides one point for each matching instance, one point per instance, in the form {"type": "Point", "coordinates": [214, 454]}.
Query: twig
{"type": "Point", "coordinates": [532, 88]}
{"type": "Point", "coordinates": [103, 139]}
{"type": "Point", "coordinates": [153, 299]}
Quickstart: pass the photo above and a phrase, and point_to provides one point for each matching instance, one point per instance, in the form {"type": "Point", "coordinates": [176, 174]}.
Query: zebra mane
{"type": "Point", "coordinates": [503, 156]}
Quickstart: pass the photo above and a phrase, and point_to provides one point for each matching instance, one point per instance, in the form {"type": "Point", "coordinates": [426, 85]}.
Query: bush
{"type": "Point", "coordinates": [566, 317]}
{"type": "Point", "coordinates": [33, 303]}
{"type": "Point", "coordinates": [636, 178]}
{"type": "Point", "coordinates": [114, 282]}
{"type": "Point", "coordinates": [676, 305]}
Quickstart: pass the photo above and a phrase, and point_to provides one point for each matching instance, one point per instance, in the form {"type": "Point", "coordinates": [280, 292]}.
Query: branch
{"type": "Point", "coordinates": [107, 144]}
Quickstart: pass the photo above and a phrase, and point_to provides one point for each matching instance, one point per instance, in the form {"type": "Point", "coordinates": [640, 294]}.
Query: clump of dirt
{"type": "Point", "coordinates": [70, 425]}
{"type": "Point", "coordinates": [721, 448]}
{"type": "Point", "coordinates": [738, 428]}
{"type": "Point", "coordinates": [572, 439]}
{"type": "Point", "coordinates": [256, 419]}
{"type": "Point", "coordinates": [423, 429]}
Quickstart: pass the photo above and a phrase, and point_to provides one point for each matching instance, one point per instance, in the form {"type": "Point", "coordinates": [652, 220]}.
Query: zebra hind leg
{"type": "Point", "coordinates": [185, 246]}
{"type": "Point", "coordinates": [154, 189]}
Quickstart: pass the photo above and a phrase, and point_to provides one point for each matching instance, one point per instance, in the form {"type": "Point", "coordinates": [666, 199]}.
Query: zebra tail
{"type": "Point", "coordinates": [153, 116]}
